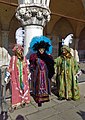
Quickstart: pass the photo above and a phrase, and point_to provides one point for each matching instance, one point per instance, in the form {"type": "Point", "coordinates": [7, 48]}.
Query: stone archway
{"type": "Point", "coordinates": [61, 29]}
{"type": "Point", "coordinates": [81, 45]}
{"type": "Point", "coordinates": [14, 25]}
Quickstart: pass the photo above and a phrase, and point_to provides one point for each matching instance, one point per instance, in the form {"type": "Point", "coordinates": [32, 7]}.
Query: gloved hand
{"type": "Point", "coordinates": [79, 73]}
{"type": "Point", "coordinates": [7, 77]}
{"type": "Point", "coordinates": [6, 80]}
{"type": "Point", "coordinates": [29, 76]}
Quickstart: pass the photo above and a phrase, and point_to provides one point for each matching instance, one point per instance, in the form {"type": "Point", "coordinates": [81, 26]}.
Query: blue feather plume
{"type": "Point", "coordinates": [37, 40]}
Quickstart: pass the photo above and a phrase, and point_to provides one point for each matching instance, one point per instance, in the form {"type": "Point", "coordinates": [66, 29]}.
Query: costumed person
{"type": "Point", "coordinates": [18, 72]}
{"type": "Point", "coordinates": [68, 40]}
{"type": "Point", "coordinates": [66, 75]}
{"type": "Point", "coordinates": [42, 68]}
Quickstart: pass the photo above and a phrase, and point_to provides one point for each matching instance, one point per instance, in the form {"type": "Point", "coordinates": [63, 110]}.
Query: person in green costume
{"type": "Point", "coordinates": [66, 68]}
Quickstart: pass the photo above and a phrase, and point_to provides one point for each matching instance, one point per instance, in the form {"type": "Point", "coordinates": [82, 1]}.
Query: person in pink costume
{"type": "Point", "coordinates": [19, 71]}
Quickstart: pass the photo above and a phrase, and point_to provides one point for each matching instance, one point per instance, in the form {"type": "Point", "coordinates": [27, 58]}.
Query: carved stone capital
{"type": "Point", "coordinates": [33, 14]}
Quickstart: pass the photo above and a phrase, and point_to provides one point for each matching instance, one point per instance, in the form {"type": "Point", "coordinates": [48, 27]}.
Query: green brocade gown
{"type": "Point", "coordinates": [66, 80]}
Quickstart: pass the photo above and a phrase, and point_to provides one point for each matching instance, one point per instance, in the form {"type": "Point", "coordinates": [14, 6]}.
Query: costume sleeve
{"type": "Point", "coordinates": [26, 65]}
{"type": "Point", "coordinates": [57, 62]}
{"type": "Point", "coordinates": [76, 66]}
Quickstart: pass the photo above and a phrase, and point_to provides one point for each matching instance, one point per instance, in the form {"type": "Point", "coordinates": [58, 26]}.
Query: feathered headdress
{"type": "Point", "coordinates": [41, 42]}
{"type": "Point", "coordinates": [68, 39]}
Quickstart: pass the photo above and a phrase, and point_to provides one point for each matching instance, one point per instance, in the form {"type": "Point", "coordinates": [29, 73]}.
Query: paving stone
{"type": "Point", "coordinates": [18, 117]}
{"type": "Point", "coordinates": [81, 107]}
{"type": "Point", "coordinates": [41, 115]}
{"type": "Point", "coordinates": [63, 107]}
{"type": "Point", "coordinates": [78, 102]}
{"type": "Point", "coordinates": [23, 111]}
{"type": "Point", "coordinates": [45, 105]}
{"type": "Point", "coordinates": [71, 114]}
{"type": "Point", "coordinates": [54, 117]}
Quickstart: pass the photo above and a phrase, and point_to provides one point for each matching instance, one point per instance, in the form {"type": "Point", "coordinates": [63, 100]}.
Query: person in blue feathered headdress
{"type": "Point", "coordinates": [41, 67]}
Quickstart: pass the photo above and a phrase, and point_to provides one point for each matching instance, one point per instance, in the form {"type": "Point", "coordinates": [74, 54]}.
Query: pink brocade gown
{"type": "Point", "coordinates": [19, 96]}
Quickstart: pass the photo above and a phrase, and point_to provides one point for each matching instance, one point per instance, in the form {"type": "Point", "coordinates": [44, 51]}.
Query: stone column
{"type": "Point", "coordinates": [33, 15]}
{"type": "Point", "coordinates": [55, 46]}
{"type": "Point", "coordinates": [30, 32]}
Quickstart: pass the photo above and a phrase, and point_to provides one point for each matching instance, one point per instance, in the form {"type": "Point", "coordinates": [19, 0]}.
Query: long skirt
{"type": "Point", "coordinates": [40, 83]}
